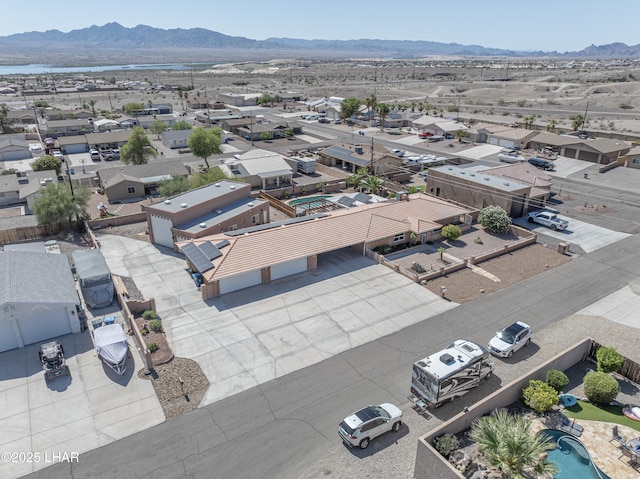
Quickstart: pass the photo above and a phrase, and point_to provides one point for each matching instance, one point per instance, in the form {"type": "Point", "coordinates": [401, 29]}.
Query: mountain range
{"type": "Point", "coordinates": [114, 43]}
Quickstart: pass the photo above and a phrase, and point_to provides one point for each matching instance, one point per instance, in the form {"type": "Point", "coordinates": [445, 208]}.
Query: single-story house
{"type": "Point", "coordinates": [32, 184]}
{"type": "Point", "coordinates": [176, 139]}
{"type": "Point", "coordinates": [376, 158]}
{"type": "Point", "coordinates": [216, 117]}
{"type": "Point", "coordinates": [438, 126]}
{"type": "Point", "coordinates": [504, 136]}
{"type": "Point", "coordinates": [527, 174]}
{"type": "Point", "coordinates": [146, 120]}
{"type": "Point", "coordinates": [222, 206]}
{"type": "Point", "coordinates": [9, 190]}
{"type": "Point", "coordinates": [601, 150]}
{"type": "Point", "coordinates": [239, 99]}
{"type": "Point", "coordinates": [73, 144]}
{"type": "Point", "coordinates": [273, 130]}
{"type": "Point", "coordinates": [108, 139]}
{"type": "Point", "coordinates": [68, 127]}
{"type": "Point", "coordinates": [228, 262]}
{"type": "Point", "coordinates": [331, 106]}
{"type": "Point", "coordinates": [198, 102]}
{"type": "Point", "coordinates": [632, 158]}
{"type": "Point", "coordinates": [14, 148]}
{"type": "Point", "coordinates": [36, 311]}
{"type": "Point", "coordinates": [24, 117]}
{"type": "Point", "coordinates": [67, 114]}
{"type": "Point", "coordinates": [136, 181]}
{"type": "Point", "coordinates": [104, 124]}
{"type": "Point", "coordinates": [261, 169]}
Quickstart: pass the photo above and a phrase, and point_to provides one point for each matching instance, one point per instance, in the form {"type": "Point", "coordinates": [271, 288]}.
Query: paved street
{"type": "Point", "coordinates": [279, 428]}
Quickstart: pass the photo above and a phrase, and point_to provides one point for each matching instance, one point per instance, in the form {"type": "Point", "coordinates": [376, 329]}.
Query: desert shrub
{"type": "Point", "coordinates": [446, 444]}
{"type": "Point", "coordinates": [418, 268]}
{"type": "Point", "coordinates": [155, 325]}
{"type": "Point", "coordinates": [609, 360]}
{"type": "Point", "coordinates": [149, 314]}
{"type": "Point", "coordinates": [494, 219]}
{"type": "Point", "coordinates": [539, 396]}
{"type": "Point", "coordinates": [144, 331]}
{"type": "Point", "coordinates": [153, 346]}
{"type": "Point", "coordinates": [451, 232]}
{"type": "Point", "coordinates": [600, 387]}
{"type": "Point", "coordinates": [384, 249]}
{"type": "Point", "coordinates": [557, 379]}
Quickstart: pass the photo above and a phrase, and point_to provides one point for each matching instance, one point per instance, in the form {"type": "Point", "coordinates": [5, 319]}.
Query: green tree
{"type": "Point", "coordinates": [494, 219]}
{"type": "Point", "coordinates": [528, 121]}
{"type": "Point", "coordinates": [355, 180]}
{"type": "Point", "coordinates": [209, 176]}
{"type": "Point", "coordinates": [266, 135]}
{"type": "Point", "coordinates": [56, 204]}
{"type": "Point", "coordinates": [557, 379]}
{"type": "Point", "coordinates": [9, 171]}
{"type": "Point", "coordinates": [382, 109]}
{"type": "Point", "coordinates": [288, 133]}
{"type": "Point", "coordinates": [133, 107]}
{"type": "Point", "coordinates": [540, 396]}
{"type": "Point", "coordinates": [349, 107]}
{"type": "Point", "coordinates": [265, 99]}
{"type": "Point", "coordinates": [371, 103]}
{"type": "Point", "coordinates": [442, 250]}
{"type": "Point", "coordinates": [181, 125]}
{"type": "Point", "coordinates": [6, 125]}
{"type": "Point", "coordinates": [461, 134]}
{"type": "Point", "coordinates": [609, 360]}
{"type": "Point", "coordinates": [507, 443]}
{"type": "Point", "coordinates": [47, 162]}
{"type": "Point", "coordinates": [551, 125]}
{"type": "Point", "coordinates": [600, 387]}
{"type": "Point", "coordinates": [577, 122]}
{"type": "Point", "coordinates": [372, 184]}
{"type": "Point", "coordinates": [177, 184]}
{"type": "Point", "coordinates": [138, 148]}
{"type": "Point", "coordinates": [92, 103]}
{"type": "Point", "coordinates": [446, 444]}
{"type": "Point", "coordinates": [158, 127]}
{"type": "Point", "coordinates": [451, 232]}
{"type": "Point", "coordinates": [204, 142]}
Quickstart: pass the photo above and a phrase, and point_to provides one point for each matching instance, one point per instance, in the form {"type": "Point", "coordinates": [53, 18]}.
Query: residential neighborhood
{"type": "Point", "coordinates": [265, 252]}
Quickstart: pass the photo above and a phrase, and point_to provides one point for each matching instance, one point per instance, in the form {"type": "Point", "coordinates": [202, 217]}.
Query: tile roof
{"type": "Point", "coordinates": [520, 172]}
{"type": "Point", "coordinates": [607, 145]}
{"type": "Point", "coordinates": [556, 140]}
{"type": "Point", "coordinates": [341, 229]}
{"type": "Point", "coordinates": [155, 168]}
{"type": "Point", "coordinates": [108, 137]}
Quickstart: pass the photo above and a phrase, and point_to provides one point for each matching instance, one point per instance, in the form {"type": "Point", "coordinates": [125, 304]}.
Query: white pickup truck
{"type": "Point", "coordinates": [548, 219]}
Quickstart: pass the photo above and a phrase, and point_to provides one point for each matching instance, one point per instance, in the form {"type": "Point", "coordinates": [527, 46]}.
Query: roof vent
{"type": "Point", "coordinates": [250, 204]}
{"type": "Point", "coordinates": [203, 225]}
{"type": "Point", "coordinates": [232, 187]}
{"type": "Point", "coordinates": [472, 174]}
{"type": "Point", "coordinates": [167, 202]}
{"type": "Point", "coordinates": [462, 172]}
{"type": "Point", "coordinates": [446, 358]}
{"type": "Point", "coordinates": [218, 212]}
{"type": "Point", "coordinates": [217, 185]}
{"type": "Point", "coordinates": [486, 178]}
{"type": "Point", "coordinates": [183, 205]}
{"type": "Point", "coordinates": [506, 183]}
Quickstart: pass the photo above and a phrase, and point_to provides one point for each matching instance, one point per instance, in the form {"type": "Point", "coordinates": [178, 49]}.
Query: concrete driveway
{"type": "Point", "coordinates": [255, 335]}
{"type": "Point", "coordinates": [69, 414]}
{"type": "Point", "coordinates": [587, 236]}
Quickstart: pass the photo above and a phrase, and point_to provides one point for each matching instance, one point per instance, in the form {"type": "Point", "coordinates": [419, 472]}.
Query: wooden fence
{"type": "Point", "coordinates": [28, 233]}
{"type": "Point", "coordinates": [277, 204]}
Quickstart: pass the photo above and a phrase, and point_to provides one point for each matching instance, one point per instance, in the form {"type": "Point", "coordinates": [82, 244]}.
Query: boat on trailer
{"type": "Point", "coordinates": [112, 347]}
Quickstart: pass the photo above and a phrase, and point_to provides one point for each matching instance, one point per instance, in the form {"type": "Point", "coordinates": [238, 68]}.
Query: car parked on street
{"type": "Point", "coordinates": [359, 428]}
{"type": "Point", "coordinates": [510, 340]}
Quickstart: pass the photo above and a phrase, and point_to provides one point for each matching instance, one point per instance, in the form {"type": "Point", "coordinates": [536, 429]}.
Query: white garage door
{"type": "Point", "coordinates": [76, 148]}
{"type": "Point", "coordinates": [240, 281]}
{"type": "Point", "coordinates": [44, 325]}
{"type": "Point", "coordinates": [493, 141]}
{"type": "Point", "coordinates": [288, 268]}
{"type": "Point", "coordinates": [8, 338]}
{"type": "Point", "coordinates": [507, 143]}
{"type": "Point", "coordinates": [162, 231]}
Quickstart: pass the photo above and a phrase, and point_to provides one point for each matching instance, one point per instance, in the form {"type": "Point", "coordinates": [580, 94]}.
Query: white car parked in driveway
{"type": "Point", "coordinates": [510, 339]}
{"type": "Point", "coordinates": [359, 428]}
{"type": "Point", "coordinates": [548, 219]}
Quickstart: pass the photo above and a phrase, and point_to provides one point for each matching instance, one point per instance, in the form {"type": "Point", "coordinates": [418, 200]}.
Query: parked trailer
{"type": "Point", "coordinates": [94, 277]}
{"type": "Point", "coordinates": [450, 373]}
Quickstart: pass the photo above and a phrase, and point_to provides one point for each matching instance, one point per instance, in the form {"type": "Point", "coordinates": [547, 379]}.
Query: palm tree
{"type": "Point", "coordinates": [355, 180]}
{"type": "Point", "coordinates": [461, 134]}
{"type": "Point", "coordinates": [577, 122]}
{"type": "Point", "coordinates": [528, 121]}
{"type": "Point", "coordinates": [93, 107]}
{"type": "Point", "coordinates": [372, 184]}
{"type": "Point", "coordinates": [551, 125]}
{"type": "Point", "coordinates": [371, 103]}
{"type": "Point", "coordinates": [507, 443]}
{"type": "Point", "coordinates": [383, 110]}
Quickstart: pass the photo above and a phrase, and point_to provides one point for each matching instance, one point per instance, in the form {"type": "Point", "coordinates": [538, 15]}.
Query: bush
{"type": "Point", "coordinates": [494, 219]}
{"type": "Point", "coordinates": [152, 347]}
{"type": "Point", "coordinates": [149, 314]}
{"type": "Point", "coordinates": [539, 396]}
{"type": "Point", "coordinates": [384, 249]}
{"type": "Point", "coordinates": [446, 444]}
{"type": "Point", "coordinates": [451, 232]}
{"type": "Point", "coordinates": [418, 268]}
{"type": "Point", "coordinates": [600, 387]}
{"type": "Point", "coordinates": [144, 331]}
{"type": "Point", "coordinates": [155, 325]}
{"type": "Point", "coordinates": [609, 360]}
{"type": "Point", "coordinates": [557, 379]}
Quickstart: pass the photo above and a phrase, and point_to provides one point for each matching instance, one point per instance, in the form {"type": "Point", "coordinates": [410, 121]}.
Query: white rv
{"type": "Point", "coordinates": [450, 373]}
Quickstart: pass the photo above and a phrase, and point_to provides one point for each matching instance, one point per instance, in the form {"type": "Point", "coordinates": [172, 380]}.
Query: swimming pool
{"type": "Point", "coordinates": [309, 202]}
{"type": "Point", "coordinates": [571, 457]}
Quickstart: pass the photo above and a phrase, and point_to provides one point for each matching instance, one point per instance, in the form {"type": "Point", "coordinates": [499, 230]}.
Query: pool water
{"type": "Point", "coordinates": [310, 202]}
{"type": "Point", "coordinates": [571, 457]}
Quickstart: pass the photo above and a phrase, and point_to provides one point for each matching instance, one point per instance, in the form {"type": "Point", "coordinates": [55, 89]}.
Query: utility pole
{"type": "Point", "coordinates": [586, 110]}
{"type": "Point", "coordinates": [110, 104]}
{"type": "Point", "coordinates": [458, 117]}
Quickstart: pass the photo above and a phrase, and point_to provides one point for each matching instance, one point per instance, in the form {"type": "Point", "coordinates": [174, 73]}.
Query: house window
{"type": "Point", "coordinates": [399, 238]}
{"type": "Point", "coordinates": [255, 219]}
{"type": "Point", "coordinates": [635, 161]}
{"type": "Point", "coordinates": [131, 189]}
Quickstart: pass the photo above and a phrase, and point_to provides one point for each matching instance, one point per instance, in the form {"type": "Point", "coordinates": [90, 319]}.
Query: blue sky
{"type": "Point", "coordinates": [562, 25]}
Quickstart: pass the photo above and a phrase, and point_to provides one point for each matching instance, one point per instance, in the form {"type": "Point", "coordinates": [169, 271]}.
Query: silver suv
{"type": "Point", "coordinates": [510, 339]}
{"type": "Point", "coordinates": [359, 428]}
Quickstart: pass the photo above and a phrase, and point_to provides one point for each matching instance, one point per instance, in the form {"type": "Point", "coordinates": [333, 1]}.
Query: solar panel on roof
{"type": "Point", "coordinates": [209, 250]}
{"type": "Point", "coordinates": [346, 201]}
{"type": "Point", "coordinates": [222, 244]}
{"type": "Point", "coordinates": [197, 258]}
{"type": "Point", "coordinates": [362, 198]}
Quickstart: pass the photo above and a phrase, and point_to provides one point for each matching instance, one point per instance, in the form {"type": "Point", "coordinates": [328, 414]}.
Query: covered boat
{"type": "Point", "coordinates": [112, 346]}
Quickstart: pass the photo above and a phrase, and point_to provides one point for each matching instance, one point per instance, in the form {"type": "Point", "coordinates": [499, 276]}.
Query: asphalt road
{"type": "Point", "coordinates": [279, 428]}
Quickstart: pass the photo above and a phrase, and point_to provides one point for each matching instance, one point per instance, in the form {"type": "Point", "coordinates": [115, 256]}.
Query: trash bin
{"type": "Point", "coordinates": [72, 171]}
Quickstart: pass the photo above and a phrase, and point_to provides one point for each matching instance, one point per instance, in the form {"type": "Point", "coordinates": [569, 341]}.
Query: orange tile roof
{"type": "Point", "coordinates": [343, 228]}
